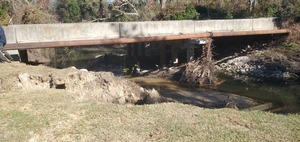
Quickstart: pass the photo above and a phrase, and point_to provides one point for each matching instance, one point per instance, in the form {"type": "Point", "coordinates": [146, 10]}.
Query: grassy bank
{"type": "Point", "coordinates": [54, 115]}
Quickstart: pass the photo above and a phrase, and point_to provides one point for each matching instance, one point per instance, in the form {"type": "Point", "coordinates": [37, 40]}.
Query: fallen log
{"type": "Point", "coordinates": [261, 107]}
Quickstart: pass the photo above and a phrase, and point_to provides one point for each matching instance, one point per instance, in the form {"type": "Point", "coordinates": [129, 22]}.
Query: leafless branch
{"type": "Point", "coordinates": [125, 13]}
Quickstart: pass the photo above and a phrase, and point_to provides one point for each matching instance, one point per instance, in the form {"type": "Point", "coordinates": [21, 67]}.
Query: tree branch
{"type": "Point", "coordinates": [125, 13]}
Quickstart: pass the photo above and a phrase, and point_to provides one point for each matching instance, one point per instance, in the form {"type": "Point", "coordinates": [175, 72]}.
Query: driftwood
{"type": "Point", "coordinates": [260, 107]}
{"type": "Point", "coordinates": [201, 71]}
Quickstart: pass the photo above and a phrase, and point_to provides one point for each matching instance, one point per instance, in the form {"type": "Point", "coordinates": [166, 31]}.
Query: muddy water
{"type": "Point", "coordinates": [194, 96]}
{"type": "Point", "coordinates": [284, 95]}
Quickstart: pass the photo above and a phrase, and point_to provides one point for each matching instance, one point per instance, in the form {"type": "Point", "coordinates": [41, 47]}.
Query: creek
{"type": "Point", "coordinates": [285, 95]}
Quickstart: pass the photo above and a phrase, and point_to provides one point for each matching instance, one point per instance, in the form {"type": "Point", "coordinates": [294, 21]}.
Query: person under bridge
{"type": "Point", "coordinates": [4, 56]}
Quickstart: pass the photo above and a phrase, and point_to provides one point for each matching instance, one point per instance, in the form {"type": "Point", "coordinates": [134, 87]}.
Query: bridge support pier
{"type": "Point", "coordinates": [135, 50]}
{"type": "Point", "coordinates": [189, 50]}
{"type": "Point", "coordinates": [129, 49]}
{"type": "Point", "coordinates": [162, 54]}
{"type": "Point", "coordinates": [23, 56]}
{"type": "Point", "coordinates": [142, 50]}
{"type": "Point", "coordinates": [175, 53]}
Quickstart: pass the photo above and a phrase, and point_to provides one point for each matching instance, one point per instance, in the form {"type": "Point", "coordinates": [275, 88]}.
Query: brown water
{"type": "Point", "coordinates": [283, 94]}
{"type": "Point", "coordinates": [195, 96]}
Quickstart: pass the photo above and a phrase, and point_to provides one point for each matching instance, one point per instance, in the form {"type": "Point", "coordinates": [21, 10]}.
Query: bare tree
{"type": "Point", "coordinates": [252, 4]}
{"type": "Point", "coordinates": [126, 3]}
{"type": "Point", "coordinates": [162, 3]}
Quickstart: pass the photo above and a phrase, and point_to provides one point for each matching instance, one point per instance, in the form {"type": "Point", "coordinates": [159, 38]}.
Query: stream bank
{"type": "Point", "coordinates": [264, 75]}
{"type": "Point", "coordinates": [271, 76]}
{"type": "Point", "coordinates": [261, 65]}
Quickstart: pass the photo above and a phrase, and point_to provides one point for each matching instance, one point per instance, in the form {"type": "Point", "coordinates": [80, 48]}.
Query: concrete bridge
{"type": "Point", "coordinates": [82, 34]}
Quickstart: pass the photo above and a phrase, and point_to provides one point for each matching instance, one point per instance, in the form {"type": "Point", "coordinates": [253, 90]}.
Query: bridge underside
{"type": "Point", "coordinates": [54, 44]}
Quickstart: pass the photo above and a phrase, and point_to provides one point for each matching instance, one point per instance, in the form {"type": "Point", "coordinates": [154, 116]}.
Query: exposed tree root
{"type": "Point", "coordinates": [201, 71]}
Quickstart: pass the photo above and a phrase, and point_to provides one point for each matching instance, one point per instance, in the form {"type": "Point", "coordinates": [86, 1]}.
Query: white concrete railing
{"type": "Point", "coordinates": [33, 33]}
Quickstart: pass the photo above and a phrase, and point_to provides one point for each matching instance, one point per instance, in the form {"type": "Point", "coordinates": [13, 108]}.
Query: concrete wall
{"type": "Point", "coordinates": [235, 25]}
{"type": "Point", "coordinates": [264, 24]}
{"type": "Point", "coordinates": [64, 32]}
{"type": "Point", "coordinates": [156, 28]}
{"type": "Point", "coordinates": [10, 34]}
{"type": "Point", "coordinates": [112, 30]}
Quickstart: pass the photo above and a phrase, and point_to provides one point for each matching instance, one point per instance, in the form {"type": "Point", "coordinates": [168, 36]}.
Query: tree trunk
{"type": "Point", "coordinates": [162, 3]}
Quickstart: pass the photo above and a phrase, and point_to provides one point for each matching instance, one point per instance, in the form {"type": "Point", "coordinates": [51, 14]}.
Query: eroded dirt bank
{"type": "Point", "coordinates": [84, 85]}
{"type": "Point", "coordinates": [105, 87]}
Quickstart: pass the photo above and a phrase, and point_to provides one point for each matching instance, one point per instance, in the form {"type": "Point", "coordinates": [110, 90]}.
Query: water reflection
{"type": "Point", "coordinates": [281, 93]}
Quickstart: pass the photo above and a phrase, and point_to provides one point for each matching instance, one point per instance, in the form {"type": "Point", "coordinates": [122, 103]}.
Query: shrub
{"type": "Point", "coordinates": [190, 13]}
{"type": "Point", "coordinates": [4, 16]}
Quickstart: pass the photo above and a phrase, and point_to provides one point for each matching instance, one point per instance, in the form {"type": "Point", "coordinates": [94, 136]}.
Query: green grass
{"type": "Point", "coordinates": [290, 48]}
{"type": "Point", "coordinates": [54, 115]}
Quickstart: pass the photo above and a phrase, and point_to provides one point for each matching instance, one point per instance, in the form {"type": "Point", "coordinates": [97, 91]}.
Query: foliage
{"type": "Point", "coordinates": [190, 13]}
{"type": "Point", "coordinates": [210, 13]}
{"type": "Point", "coordinates": [81, 10]}
{"type": "Point", "coordinates": [34, 11]}
{"type": "Point", "coordinates": [88, 9]}
{"type": "Point", "coordinates": [4, 10]}
{"type": "Point", "coordinates": [148, 12]}
{"type": "Point", "coordinates": [69, 11]}
{"type": "Point", "coordinates": [125, 71]}
{"type": "Point", "coordinates": [271, 10]}
{"type": "Point", "coordinates": [100, 10]}
{"type": "Point", "coordinates": [291, 48]}
{"type": "Point", "coordinates": [35, 15]}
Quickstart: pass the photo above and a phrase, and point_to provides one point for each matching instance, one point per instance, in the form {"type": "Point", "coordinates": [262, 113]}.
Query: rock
{"type": "Point", "coordinates": [243, 71]}
{"type": "Point", "coordinates": [260, 65]}
{"type": "Point", "coordinates": [85, 70]}
{"type": "Point", "coordinates": [239, 60]}
{"type": "Point", "coordinates": [153, 97]}
{"type": "Point", "coordinates": [288, 75]}
{"type": "Point", "coordinates": [73, 68]}
{"type": "Point", "coordinates": [142, 89]}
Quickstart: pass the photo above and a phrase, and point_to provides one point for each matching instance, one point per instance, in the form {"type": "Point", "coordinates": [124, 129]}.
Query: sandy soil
{"type": "Point", "coordinates": [84, 85]}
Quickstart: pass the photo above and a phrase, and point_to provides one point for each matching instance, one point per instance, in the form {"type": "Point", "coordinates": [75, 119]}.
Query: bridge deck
{"type": "Point", "coordinates": [52, 44]}
{"type": "Point", "coordinates": [31, 36]}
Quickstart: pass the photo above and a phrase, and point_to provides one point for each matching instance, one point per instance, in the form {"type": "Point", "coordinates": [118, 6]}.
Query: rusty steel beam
{"type": "Point", "coordinates": [246, 33]}
{"type": "Point", "coordinates": [54, 44]}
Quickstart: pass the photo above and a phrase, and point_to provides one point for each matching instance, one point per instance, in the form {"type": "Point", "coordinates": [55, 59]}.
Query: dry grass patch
{"type": "Point", "coordinates": [53, 115]}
